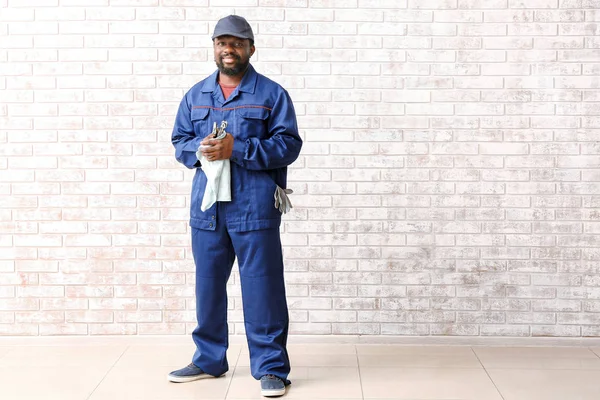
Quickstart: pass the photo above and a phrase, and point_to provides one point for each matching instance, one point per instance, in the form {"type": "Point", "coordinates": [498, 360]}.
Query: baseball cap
{"type": "Point", "coordinates": [233, 25]}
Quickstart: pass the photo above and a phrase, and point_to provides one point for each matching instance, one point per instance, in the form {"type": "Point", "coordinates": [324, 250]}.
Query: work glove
{"type": "Point", "coordinates": [282, 201]}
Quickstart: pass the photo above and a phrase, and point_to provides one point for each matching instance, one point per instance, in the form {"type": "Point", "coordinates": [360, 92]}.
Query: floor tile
{"type": "Point", "coordinates": [64, 356]}
{"type": "Point", "coordinates": [49, 383]}
{"type": "Point", "coordinates": [526, 384]}
{"type": "Point", "coordinates": [320, 371]}
{"type": "Point", "coordinates": [168, 355]}
{"type": "Point", "coordinates": [543, 352]}
{"type": "Point", "coordinates": [312, 360]}
{"type": "Point", "coordinates": [427, 384]}
{"type": "Point", "coordinates": [425, 361]}
{"type": "Point", "coordinates": [307, 383]}
{"type": "Point", "coordinates": [418, 357]}
{"type": "Point", "coordinates": [149, 382]}
{"type": "Point", "coordinates": [505, 362]}
{"type": "Point", "coordinates": [316, 348]}
{"type": "Point", "coordinates": [375, 349]}
{"type": "Point", "coordinates": [4, 350]}
{"type": "Point", "coordinates": [314, 355]}
{"type": "Point", "coordinates": [538, 358]}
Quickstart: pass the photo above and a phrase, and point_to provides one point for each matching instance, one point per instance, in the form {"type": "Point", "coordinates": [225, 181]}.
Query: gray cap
{"type": "Point", "coordinates": [233, 25]}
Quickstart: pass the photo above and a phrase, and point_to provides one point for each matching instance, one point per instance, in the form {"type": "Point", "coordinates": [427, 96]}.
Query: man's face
{"type": "Point", "coordinates": [232, 54]}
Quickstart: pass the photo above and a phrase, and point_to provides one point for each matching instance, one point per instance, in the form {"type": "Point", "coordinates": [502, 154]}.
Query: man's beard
{"type": "Point", "coordinates": [239, 67]}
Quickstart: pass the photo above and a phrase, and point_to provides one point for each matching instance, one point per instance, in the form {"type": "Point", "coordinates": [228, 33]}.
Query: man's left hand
{"type": "Point", "coordinates": [220, 149]}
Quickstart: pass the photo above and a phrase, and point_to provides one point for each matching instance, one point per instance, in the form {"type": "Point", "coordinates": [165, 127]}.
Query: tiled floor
{"type": "Point", "coordinates": [81, 371]}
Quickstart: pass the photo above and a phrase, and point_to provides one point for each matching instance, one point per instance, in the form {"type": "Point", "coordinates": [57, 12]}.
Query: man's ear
{"type": "Point", "coordinates": [252, 50]}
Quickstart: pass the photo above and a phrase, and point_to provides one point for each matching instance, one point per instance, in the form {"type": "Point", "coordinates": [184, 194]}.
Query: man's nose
{"type": "Point", "coordinates": [228, 47]}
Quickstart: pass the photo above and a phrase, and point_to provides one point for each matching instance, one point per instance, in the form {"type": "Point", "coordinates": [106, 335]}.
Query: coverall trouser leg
{"type": "Point", "coordinates": [266, 317]}
{"type": "Point", "coordinates": [213, 255]}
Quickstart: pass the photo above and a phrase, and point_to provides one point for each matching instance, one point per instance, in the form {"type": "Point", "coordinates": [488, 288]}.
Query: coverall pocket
{"type": "Point", "coordinates": [199, 118]}
{"type": "Point", "coordinates": [253, 122]}
{"type": "Point", "coordinates": [263, 187]}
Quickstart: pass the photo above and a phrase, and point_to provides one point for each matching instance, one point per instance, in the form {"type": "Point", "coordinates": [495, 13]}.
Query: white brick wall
{"type": "Point", "coordinates": [449, 182]}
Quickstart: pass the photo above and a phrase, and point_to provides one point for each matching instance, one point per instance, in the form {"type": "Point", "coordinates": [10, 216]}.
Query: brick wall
{"type": "Point", "coordinates": [448, 185]}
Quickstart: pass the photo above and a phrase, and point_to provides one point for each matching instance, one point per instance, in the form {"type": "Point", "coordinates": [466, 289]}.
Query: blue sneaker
{"type": "Point", "coordinates": [187, 374]}
{"type": "Point", "coordinates": [272, 386]}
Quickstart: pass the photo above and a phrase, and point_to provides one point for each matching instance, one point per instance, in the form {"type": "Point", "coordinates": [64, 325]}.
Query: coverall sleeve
{"type": "Point", "coordinates": [280, 149]}
{"type": "Point", "coordinates": [184, 139]}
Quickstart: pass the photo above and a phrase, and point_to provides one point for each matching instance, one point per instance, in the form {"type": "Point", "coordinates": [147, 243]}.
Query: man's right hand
{"type": "Point", "coordinates": [217, 149]}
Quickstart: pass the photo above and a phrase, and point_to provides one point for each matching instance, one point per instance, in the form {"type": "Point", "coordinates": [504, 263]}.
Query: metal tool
{"type": "Point", "coordinates": [219, 133]}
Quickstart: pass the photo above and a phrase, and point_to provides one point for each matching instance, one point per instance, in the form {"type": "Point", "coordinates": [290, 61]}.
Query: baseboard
{"type": "Point", "coordinates": [300, 339]}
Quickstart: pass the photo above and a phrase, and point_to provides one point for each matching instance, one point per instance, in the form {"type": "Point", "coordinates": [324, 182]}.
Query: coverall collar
{"type": "Point", "coordinates": [248, 83]}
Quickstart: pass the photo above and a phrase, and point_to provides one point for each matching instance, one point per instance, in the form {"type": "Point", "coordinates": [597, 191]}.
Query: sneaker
{"type": "Point", "coordinates": [272, 386]}
{"type": "Point", "coordinates": [187, 374]}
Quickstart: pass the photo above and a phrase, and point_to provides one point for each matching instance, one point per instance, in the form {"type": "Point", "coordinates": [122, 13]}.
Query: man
{"type": "Point", "coordinates": [261, 141]}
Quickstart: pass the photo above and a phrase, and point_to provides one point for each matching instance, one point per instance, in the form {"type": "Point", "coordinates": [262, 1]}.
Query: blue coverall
{"type": "Point", "coordinates": [262, 120]}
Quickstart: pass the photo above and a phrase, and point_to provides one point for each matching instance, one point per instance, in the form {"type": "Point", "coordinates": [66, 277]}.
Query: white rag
{"type": "Point", "coordinates": [218, 179]}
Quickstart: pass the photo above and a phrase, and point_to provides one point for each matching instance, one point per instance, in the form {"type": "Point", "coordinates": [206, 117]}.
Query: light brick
{"type": "Point", "coordinates": [391, 29]}
{"type": "Point", "coordinates": [437, 29]}
{"type": "Point", "coordinates": [19, 329]}
{"type": "Point", "coordinates": [457, 43]}
{"type": "Point", "coordinates": [382, 3]}
{"type": "Point", "coordinates": [449, 150]}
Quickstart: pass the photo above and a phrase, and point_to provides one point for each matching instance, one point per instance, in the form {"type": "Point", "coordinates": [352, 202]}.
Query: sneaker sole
{"type": "Point", "coordinates": [184, 379]}
{"type": "Point", "coordinates": [273, 393]}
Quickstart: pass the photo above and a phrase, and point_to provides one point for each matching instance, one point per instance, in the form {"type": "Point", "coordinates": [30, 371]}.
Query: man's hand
{"type": "Point", "coordinates": [220, 149]}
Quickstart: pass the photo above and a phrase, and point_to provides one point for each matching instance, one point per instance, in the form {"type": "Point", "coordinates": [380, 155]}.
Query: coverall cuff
{"type": "Point", "coordinates": [187, 155]}
{"type": "Point", "coordinates": [238, 153]}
